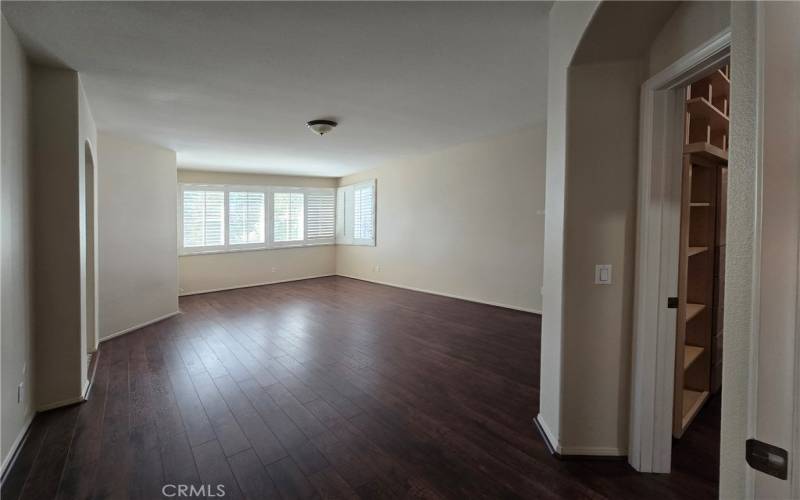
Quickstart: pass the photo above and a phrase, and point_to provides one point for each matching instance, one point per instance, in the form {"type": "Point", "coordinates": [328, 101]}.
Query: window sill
{"type": "Point", "coordinates": [251, 249]}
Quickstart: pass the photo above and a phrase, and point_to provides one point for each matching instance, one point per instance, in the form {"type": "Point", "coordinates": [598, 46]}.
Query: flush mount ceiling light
{"type": "Point", "coordinates": [321, 127]}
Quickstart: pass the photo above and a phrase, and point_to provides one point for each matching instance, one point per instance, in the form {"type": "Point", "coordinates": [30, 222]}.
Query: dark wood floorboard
{"type": "Point", "coordinates": [329, 388]}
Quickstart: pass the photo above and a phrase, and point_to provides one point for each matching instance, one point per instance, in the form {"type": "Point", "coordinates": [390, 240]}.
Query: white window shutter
{"type": "Point", "coordinates": [203, 218]}
{"type": "Point", "coordinates": [355, 218]}
{"type": "Point", "coordinates": [320, 215]}
{"type": "Point", "coordinates": [245, 217]}
{"type": "Point", "coordinates": [288, 219]}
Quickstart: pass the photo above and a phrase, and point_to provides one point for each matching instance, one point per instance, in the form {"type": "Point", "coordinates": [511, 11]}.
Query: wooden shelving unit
{"type": "Point", "coordinates": [705, 159]}
{"type": "Point", "coordinates": [690, 354]}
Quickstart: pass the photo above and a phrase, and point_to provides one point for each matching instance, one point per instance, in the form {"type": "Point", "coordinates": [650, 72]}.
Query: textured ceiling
{"type": "Point", "coordinates": [229, 86]}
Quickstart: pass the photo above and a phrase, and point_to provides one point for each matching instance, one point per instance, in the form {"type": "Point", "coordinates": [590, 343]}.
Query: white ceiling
{"type": "Point", "coordinates": [229, 86]}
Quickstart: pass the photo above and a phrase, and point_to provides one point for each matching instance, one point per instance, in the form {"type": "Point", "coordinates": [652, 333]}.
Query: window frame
{"type": "Point", "coordinates": [284, 244]}
{"type": "Point", "coordinates": [269, 243]}
{"type": "Point", "coordinates": [209, 248]}
{"type": "Point", "coordinates": [345, 214]}
{"type": "Point", "coordinates": [233, 247]}
{"type": "Point", "coordinates": [321, 241]}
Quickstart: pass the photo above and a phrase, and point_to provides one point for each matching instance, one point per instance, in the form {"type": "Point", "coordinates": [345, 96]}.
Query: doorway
{"type": "Point", "coordinates": [90, 264]}
{"type": "Point", "coordinates": [662, 141]}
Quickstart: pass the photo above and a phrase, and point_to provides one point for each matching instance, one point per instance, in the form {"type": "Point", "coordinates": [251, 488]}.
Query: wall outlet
{"type": "Point", "coordinates": [21, 392]}
{"type": "Point", "coordinates": [274, 269]}
{"type": "Point", "coordinates": [602, 274]}
{"type": "Point", "coordinates": [377, 268]}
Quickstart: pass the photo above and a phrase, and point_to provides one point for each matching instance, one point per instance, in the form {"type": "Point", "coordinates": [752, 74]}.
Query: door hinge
{"type": "Point", "coordinates": [767, 458]}
{"type": "Point", "coordinates": [672, 302]}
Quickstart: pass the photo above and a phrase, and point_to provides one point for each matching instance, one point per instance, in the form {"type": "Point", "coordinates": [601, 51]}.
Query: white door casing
{"type": "Point", "coordinates": [653, 350]}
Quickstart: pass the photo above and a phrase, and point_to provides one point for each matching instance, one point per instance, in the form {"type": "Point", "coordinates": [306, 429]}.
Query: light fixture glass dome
{"type": "Point", "coordinates": [321, 127]}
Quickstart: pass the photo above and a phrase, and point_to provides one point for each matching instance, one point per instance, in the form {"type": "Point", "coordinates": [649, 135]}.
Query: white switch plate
{"type": "Point", "coordinates": [21, 393]}
{"type": "Point", "coordinates": [602, 274]}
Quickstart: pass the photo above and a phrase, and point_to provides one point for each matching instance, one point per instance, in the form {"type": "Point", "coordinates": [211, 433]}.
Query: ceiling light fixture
{"type": "Point", "coordinates": [321, 127]}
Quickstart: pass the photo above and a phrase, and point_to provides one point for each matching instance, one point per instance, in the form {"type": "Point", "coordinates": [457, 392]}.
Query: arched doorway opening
{"type": "Point", "coordinates": [90, 220]}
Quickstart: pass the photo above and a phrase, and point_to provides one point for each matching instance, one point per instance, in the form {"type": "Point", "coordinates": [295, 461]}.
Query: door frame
{"type": "Point", "coordinates": [658, 221]}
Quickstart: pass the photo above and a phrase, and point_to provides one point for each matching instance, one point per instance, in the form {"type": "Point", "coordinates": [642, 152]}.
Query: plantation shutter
{"type": "Point", "coordinates": [320, 215]}
{"type": "Point", "coordinates": [245, 217]}
{"type": "Point", "coordinates": [203, 218]}
{"type": "Point", "coordinates": [364, 212]}
{"type": "Point", "coordinates": [287, 216]}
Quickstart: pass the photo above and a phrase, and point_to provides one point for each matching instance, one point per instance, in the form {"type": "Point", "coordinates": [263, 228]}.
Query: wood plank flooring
{"type": "Point", "coordinates": [328, 388]}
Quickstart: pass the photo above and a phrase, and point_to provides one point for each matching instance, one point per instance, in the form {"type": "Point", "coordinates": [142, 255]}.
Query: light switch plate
{"type": "Point", "coordinates": [602, 274]}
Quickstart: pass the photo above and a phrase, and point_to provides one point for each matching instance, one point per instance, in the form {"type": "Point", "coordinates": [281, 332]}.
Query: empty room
{"type": "Point", "coordinates": [438, 250]}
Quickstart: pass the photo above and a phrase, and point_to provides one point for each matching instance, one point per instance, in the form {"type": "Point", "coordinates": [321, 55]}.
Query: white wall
{"type": "Point", "coordinates": [199, 273]}
{"type": "Point", "coordinates": [138, 269]}
{"type": "Point", "coordinates": [16, 273]}
{"type": "Point", "coordinates": [465, 222]}
{"type": "Point", "coordinates": [568, 22]}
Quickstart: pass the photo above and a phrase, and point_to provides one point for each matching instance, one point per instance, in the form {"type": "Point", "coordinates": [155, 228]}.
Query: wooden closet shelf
{"type": "Point", "coordinates": [692, 402]}
{"type": "Point", "coordinates": [707, 151]}
{"type": "Point", "coordinates": [690, 355]}
{"type": "Point", "coordinates": [720, 83]}
{"type": "Point", "coordinates": [695, 251]}
{"type": "Point", "coordinates": [700, 107]}
{"type": "Point", "coordinates": [693, 310]}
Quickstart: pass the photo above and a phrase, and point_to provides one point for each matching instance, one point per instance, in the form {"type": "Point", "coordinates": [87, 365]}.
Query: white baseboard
{"type": "Point", "coordinates": [443, 294]}
{"type": "Point", "coordinates": [16, 446]}
{"type": "Point", "coordinates": [552, 442]}
{"type": "Point", "coordinates": [592, 451]}
{"type": "Point", "coordinates": [565, 452]}
{"type": "Point", "coordinates": [59, 404]}
{"type": "Point", "coordinates": [250, 285]}
{"type": "Point", "coordinates": [136, 327]}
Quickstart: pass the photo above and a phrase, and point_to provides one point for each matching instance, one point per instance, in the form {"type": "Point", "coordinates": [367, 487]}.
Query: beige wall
{"type": "Point", "coordinates": [16, 309]}
{"type": "Point", "coordinates": [138, 273]}
{"type": "Point", "coordinates": [466, 222]}
{"type": "Point", "coordinates": [601, 229]}
{"type": "Point", "coordinates": [61, 126]}
{"type": "Point", "coordinates": [567, 24]}
{"type": "Point", "coordinates": [199, 273]}
{"type": "Point", "coordinates": [761, 322]}
{"type": "Point", "coordinates": [691, 24]}
{"type": "Point", "coordinates": [588, 399]}
{"type": "Point", "coordinates": [739, 252]}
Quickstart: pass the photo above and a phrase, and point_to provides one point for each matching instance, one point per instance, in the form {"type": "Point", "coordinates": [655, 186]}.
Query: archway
{"type": "Point", "coordinates": [90, 220]}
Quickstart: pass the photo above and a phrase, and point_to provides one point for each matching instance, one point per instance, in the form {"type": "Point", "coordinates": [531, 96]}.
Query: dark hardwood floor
{"type": "Point", "coordinates": [328, 388]}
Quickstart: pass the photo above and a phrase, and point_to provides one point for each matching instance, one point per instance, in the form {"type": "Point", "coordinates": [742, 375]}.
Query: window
{"type": "Point", "coordinates": [355, 214]}
{"type": "Point", "coordinates": [203, 219]}
{"type": "Point", "coordinates": [321, 216]}
{"type": "Point", "coordinates": [246, 217]}
{"type": "Point", "coordinates": [363, 216]}
{"type": "Point", "coordinates": [220, 218]}
{"type": "Point", "coordinates": [288, 217]}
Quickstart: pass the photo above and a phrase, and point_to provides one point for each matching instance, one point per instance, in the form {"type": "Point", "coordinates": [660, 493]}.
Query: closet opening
{"type": "Point", "coordinates": [680, 255]}
{"type": "Point", "coordinates": [701, 258]}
